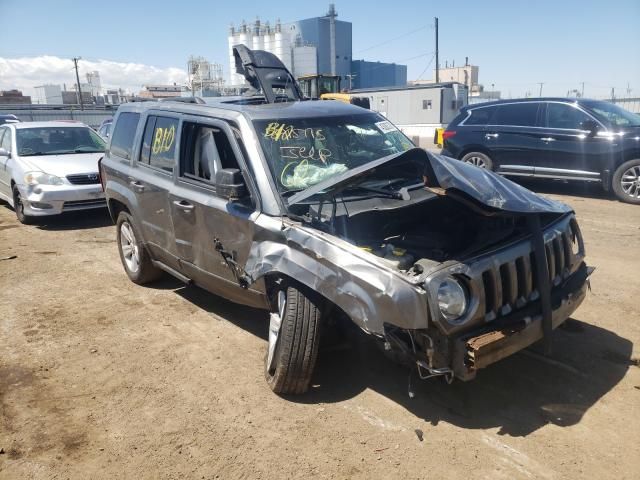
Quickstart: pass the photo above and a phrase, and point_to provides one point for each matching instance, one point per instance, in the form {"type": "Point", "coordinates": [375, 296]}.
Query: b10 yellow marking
{"type": "Point", "coordinates": [163, 139]}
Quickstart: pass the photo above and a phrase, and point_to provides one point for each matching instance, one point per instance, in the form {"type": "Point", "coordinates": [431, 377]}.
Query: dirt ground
{"type": "Point", "coordinates": [100, 378]}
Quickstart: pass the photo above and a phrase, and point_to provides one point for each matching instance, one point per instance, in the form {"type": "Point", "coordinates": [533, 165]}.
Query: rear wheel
{"type": "Point", "coordinates": [293, 340]}
{"type": "Point", "coordinates": [18, 207]}
{"type": "Point", "coordinates": [133, 254]}
{"type": "Point", "coordinates": [478, 159]}
{"type": "Point", "coordinates": [626, 182]}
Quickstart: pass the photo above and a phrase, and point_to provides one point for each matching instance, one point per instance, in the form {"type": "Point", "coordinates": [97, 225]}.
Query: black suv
{"type": "Point", "coordinates": [321, 212]}
{"type": "Point", "coordinates": [559, 138]}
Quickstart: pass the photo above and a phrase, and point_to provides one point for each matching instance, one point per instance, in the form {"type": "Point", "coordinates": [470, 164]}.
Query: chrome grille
{"type": "Point", "coordinates": [84, 179]}
{"type": "Point", "coordinates": [511, 285]}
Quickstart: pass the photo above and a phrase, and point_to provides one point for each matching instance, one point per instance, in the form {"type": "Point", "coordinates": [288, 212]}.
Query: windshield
{"type": "Point", "coordinates": [57, 141]}
{"type": "Point", "coordinates": [304, 151]}
{"type": "Point", "coordinates": [613, 114]}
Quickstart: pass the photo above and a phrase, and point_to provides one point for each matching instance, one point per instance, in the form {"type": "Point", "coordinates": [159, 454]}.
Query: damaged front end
{"type": "Point", "coordinates": [450, 266]}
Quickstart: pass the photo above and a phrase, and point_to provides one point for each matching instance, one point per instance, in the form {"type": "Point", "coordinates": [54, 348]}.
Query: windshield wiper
{"type": "Point", "coordinates": [86, 150]}
{"type": "Point", "coordinates": [395, 194]}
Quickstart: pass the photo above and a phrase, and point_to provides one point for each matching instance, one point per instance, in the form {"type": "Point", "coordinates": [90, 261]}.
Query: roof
{"type": "Point", "coordinates": [529, 99]}
{"type": "Point", "coordinates": [298, 109]}
{"type": "Point", "coordinates": [54, 124]}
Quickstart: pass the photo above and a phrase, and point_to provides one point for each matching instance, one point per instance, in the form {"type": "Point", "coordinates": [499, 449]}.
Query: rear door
{"type": "Point", "coordinates": [152, 180]}
{"type": "Point", "coordinates": [569, 151]}
{"type": "Point", "coordinates": [202, 219]}
{"type": "Point", "coordinates": [513, 137]}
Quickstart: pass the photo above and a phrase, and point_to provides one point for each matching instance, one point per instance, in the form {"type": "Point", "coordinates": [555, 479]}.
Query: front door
{"type": "Point", "coordinates": [206, 223]}
{"type": "Point", "coordinates": [568, 151]}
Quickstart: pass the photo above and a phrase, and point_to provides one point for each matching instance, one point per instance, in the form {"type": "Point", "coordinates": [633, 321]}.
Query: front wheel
{"type": "Point", "coordinates": [18, 207]}
{"type": "Point", "coordinates": [626, 182]}
{"type": "Point", "coordinates": [478, 159]}
{"type": "Point", "coordinates": [293, 340]}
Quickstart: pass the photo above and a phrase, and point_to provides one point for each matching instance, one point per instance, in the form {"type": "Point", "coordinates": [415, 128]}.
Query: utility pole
{"type": "Point", "coordinates": [613, 93]}
{"type": "Point", "coordinates": [541, 84]}
{"type": "Point", "coordinates": [582, 91]}
{"type": "Point", "coordinates": [437, 54]}
{"type": "Point", "coordinates": [79, 90]}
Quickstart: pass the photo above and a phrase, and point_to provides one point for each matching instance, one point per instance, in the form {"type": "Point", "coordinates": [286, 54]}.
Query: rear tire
{"type": "Point", "coordinates": [18, 207]}
{"type": "Point", "coordinates": [626, 182]}
{"type": "Point", "coordinates": [294, 338]}
{"type": "Point", "coordinates": [479, 159]}
{"type": "Point", "coordinates": [133, 254]}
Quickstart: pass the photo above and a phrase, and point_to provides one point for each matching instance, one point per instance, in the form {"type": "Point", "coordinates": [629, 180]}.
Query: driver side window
{"type": "Point", "coordinates": [205, 151]}
{"type": "Point", "coordinates": [565, 117]}
{"type": "Point", "coordinates": [5, 136]}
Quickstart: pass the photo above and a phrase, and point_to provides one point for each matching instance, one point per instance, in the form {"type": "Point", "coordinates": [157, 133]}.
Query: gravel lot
{"type": "Point", "coordinates": [100, 378]}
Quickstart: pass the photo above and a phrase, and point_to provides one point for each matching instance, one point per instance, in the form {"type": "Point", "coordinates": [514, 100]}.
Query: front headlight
{"type": "Point", "coordinates": [452, 299]}
{"type": "Point", "coordinates": [41, 178]}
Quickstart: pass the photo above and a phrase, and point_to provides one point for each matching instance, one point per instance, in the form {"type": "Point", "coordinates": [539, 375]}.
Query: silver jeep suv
{"type": "Point", "coordinates": [319, 209]}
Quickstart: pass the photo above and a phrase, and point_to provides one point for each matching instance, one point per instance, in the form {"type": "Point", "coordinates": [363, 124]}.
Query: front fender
{"type": "Point", "coordinates": [371, 295]}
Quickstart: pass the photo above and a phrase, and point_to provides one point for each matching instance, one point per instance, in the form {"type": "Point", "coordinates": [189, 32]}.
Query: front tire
{"type": "Point", "coordinates": [479, 159]}
{"type": "Point", "coordinates": [18, 207]}
{"type": "Point", "coordinates": [133, 254]}
{"type": "Point", "coordinates": [626, 182]}
{"type": "Point", "coordinates": [293, 340]}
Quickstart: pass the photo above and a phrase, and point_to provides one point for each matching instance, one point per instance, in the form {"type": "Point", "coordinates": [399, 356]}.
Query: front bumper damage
{"type": "Point", "coordinates": [482, 347]}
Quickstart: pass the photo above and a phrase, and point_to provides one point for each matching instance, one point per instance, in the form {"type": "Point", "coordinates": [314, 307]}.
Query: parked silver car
{"type": "Point", "coordinates": [47, 168]}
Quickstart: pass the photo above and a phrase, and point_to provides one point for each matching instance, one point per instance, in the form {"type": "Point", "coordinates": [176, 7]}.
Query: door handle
{"type": "Point", "coordinates": [548, 139]}
{"type": "Point", "coordinates": [137, 185]}
{"type": "Point", "coordinates": [183, 205]}
{"type": "Point", "coordinates": [491, 135]}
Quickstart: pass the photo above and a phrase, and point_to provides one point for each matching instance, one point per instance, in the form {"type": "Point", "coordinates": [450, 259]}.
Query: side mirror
{"type": "Point", "coordinates": [230, 184]}
{"type": "Point", "coordinates": [4, 153]}
{"type": "Point", "coordinates": [590, 126]}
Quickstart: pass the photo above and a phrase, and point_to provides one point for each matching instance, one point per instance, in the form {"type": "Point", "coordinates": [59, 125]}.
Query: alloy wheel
{"type": "Point", "coordinates": [129, 247]}
{"type": "Point", "coordinates": [630, 181]}
{"type": "Point", "coordinates": [477, 161]}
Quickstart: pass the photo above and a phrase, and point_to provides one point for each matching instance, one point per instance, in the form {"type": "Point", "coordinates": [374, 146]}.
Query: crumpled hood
{"type": "Point", "coordinates": [489, 188]}
{"type": "Point", "coordinates": [63, 165]}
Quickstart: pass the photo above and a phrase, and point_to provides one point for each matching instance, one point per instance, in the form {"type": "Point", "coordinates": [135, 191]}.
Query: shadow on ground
{"type": "Point", "coordinates": [80, 220]}
{"type": "Point", "coordinates": [517, 395]}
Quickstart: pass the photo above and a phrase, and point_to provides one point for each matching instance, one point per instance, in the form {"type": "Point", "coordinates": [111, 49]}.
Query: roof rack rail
{"type": "Point", "coordinates": [197, 100]}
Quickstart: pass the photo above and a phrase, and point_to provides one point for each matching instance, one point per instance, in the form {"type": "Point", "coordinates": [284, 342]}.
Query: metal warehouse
{"type": "Point", "coordinates": [418, 110]}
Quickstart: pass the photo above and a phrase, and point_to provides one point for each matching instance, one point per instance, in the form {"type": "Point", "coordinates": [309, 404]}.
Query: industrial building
{"type": "Point", "coordinates": [314, 46]}
{"type": "Point", "coordinates": [418, 110]}
{"type": "Point", "coordinates": [13, 97]}
{"type": "Point", "coordinates": [205, 78]}
{"type": "Point", "coordinates": [376, 74]}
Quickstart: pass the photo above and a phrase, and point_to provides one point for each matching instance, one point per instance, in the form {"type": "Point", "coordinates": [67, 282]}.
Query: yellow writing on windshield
{"type": "Point", "coordinates": [284, 132]}
{"type": "Point", "coordinates": [163, 139]}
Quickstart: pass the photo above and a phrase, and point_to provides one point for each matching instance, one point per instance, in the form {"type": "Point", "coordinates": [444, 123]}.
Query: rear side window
{"type": "Point", "coordinates": [480, 116]}
{"type": "Point", "coordinates": [516, 114]}
{"type": "Point", "coordinates": [124, 134]}
{"type": "Point", "coordinates": [159, 142]}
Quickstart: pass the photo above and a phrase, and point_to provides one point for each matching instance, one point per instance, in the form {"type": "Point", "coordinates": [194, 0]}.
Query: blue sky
{"type": "Point", "coordinates": [516, 44]}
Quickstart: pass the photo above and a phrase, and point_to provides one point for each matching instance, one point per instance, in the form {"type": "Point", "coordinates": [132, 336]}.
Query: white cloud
{"type": "Point", "coordinates": [28, 72]}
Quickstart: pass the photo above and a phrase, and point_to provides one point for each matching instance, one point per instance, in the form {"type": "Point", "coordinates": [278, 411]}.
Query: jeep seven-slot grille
{"type": "Point", "coordinates": [84, 179]}
{"type": "Point", "coordinates": [512, 285]}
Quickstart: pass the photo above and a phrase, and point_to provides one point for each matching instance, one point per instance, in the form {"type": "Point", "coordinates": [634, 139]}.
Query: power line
{"type": "Point", "coordinates": [393, 39]}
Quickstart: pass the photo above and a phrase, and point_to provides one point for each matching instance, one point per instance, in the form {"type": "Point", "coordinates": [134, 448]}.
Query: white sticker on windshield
{"type": "Point", "coordinates": [386, 126]}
